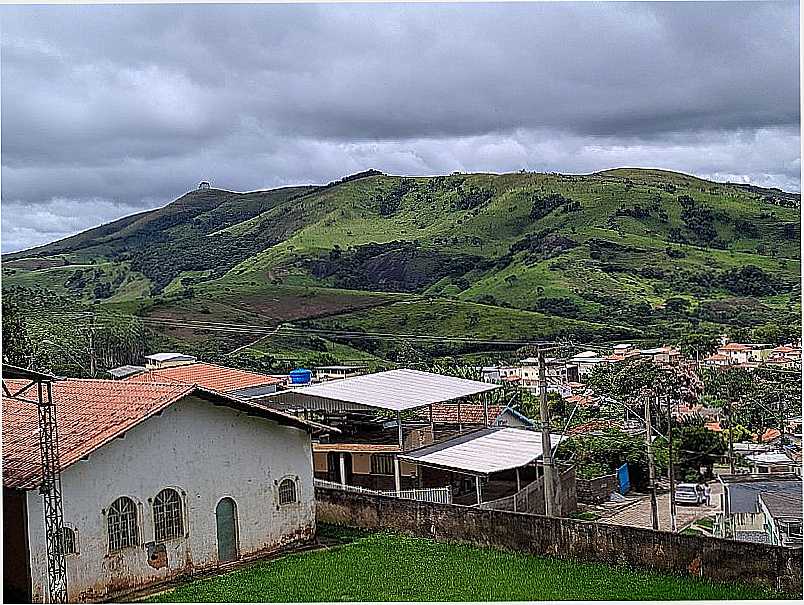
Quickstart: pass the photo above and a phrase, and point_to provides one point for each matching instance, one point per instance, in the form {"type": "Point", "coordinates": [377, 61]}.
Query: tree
{"type": "Point", "coordinates": [16, 342]}
{"type": "Point", "coordinates": [696, 446]}
{"type": "Point", "coordinates": [697, 345]}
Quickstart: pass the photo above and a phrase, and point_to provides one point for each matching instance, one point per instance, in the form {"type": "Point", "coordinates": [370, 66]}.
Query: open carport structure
{"type": "Point", "coordinates": [483, 453]}
{"type": "Point", "coordinates": [393, 393]}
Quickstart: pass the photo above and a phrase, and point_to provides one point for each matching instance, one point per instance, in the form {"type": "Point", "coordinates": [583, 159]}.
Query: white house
{"type": "Point", "coordinates": [158, 481]}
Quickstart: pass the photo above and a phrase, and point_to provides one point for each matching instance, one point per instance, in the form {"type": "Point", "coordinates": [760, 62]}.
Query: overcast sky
{"type": "Point", "coordinates": [107, 110]}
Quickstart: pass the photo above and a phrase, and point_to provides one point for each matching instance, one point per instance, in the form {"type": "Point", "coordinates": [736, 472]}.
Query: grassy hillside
{"type": "Point", "coordinates": [625, 253]}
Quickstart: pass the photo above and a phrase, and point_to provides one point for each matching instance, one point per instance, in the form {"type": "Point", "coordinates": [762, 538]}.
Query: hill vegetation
{"type": "Point", "coordinates": [645, 255]}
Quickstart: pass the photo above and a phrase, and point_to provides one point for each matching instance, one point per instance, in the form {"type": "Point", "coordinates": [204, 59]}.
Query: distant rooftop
{"type": "Point", "coordinates": [170, 357]}
{"type": "Point", "coordinates": [394, 390]}
{"type": "Point", "coordinates": [127, 370]}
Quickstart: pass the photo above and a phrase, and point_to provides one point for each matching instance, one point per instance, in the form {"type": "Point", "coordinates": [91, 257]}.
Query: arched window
{"type": "Point", "coordinates": [287, 491]}
{"type": "Point", "coordinates": [167, 515]}
{"type": "Point", "coordinates": [122, 524]}
{"type": "Point", "coordinates": [68, 544]}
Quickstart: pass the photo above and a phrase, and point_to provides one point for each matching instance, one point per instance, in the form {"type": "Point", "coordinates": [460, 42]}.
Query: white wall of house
{"type": "Point", "coordinates": [206, 452]}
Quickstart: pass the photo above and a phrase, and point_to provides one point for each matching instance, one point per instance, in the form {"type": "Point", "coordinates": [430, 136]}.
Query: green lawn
{"type": "Point", "coordinates": [387, 567]}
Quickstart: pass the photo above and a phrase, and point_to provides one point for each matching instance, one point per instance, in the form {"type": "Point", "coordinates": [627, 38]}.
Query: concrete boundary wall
{"type": "Point", "coordinates": [597, 490]}
{"type": "Point", "coordinates": [713, 558]}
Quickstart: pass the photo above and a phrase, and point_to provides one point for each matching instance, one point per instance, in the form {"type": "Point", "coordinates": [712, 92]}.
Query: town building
{"type": "Point", "coordinates": [586, 361]}
{"type": "Point", "coordinates": [158, 481]}
{"type": "Point", "coordinates": [382, 415]}
{"type": "Point", "coordinates": [774, 461]}
{"type": "Point", "coordinates": [493, 467]}
{"type": "Point", "coordinates": [782, 514]}
{"type": "Point", "coordinates": [664, 355]}
{"type": "Point", "coordinates": [323, 373]}
{"type": "Point", "coordinates": [741, 516]}
{"type": "Point", "coordinates": [242, 384]}
{"type": "Point", "coordinates": [167, 360]}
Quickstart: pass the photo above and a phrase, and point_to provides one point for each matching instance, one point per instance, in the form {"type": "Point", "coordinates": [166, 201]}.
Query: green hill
{"type": "Point", "coordinates": [625, 253]}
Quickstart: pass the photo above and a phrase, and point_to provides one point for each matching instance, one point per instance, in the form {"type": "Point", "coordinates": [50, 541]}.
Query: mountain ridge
{"type": "Point", "coordinates": [612, 248]}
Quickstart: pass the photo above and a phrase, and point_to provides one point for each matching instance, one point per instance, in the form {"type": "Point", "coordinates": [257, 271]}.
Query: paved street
{"type": "Point", "coordinates": [638, 515]}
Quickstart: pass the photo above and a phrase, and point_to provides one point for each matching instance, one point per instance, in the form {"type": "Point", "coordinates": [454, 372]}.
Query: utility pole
{"type": "Point", "coordinates": [654, 512]}
{"type": "Point", "coordinates": [731, 439]}
{"type": "Point", "coordinates": [547, 446]}
{"type": "Point", "coordinates": [92, 368]}
{"type": "Point", "coordinates": [781, 418]}
{"type": "Point", "coordinates": [670, 468]}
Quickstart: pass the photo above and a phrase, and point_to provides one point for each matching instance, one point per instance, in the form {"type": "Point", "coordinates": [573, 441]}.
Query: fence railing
{"type": "Point", "coordinates": [520, 501]}
{"type": "Point", "coordinates": [437, 495]}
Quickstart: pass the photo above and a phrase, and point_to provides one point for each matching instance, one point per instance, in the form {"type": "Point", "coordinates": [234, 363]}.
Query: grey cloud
{"type": "Point", "coordinates": [134, 104]}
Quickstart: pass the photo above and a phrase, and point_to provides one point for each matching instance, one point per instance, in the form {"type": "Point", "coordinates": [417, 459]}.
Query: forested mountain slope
{"type": "Point", "coordinates": [626, 253]}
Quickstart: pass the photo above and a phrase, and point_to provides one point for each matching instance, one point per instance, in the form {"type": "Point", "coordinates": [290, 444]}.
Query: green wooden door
{"type": "Point", "coordinates": [226, 518]}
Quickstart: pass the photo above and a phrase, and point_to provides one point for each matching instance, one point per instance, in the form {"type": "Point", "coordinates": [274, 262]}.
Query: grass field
{"type": "Point", "coordinates": [387, 567]}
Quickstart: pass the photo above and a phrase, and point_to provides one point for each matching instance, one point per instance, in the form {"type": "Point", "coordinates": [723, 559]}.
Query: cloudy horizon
{"type": "Point", "coordinates": [111, 110]}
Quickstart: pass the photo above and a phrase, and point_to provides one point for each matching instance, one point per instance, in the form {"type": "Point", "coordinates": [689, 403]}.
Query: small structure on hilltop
{"type": "Point", "coordinates": [203, 185]}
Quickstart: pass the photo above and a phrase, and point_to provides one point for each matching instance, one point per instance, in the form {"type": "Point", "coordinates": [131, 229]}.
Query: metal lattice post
{"type": "Point", "coordinates": [51, 495]}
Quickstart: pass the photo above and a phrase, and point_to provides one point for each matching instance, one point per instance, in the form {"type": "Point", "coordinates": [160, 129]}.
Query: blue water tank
{"type": "Point", "coordinates": [300, 376]}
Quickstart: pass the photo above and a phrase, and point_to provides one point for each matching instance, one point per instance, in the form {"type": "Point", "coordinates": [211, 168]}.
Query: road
{"type": "Point", "coordinates": [638, 514]}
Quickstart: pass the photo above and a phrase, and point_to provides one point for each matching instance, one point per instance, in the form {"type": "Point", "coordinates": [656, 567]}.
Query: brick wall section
{"type": "Point", "coordinates": [597, 490]}
{"type": "Point", "coordinates": [714, 558]}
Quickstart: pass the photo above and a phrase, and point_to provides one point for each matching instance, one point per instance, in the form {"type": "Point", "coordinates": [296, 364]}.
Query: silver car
{"type": "Point", "coordinates": [690, 493]}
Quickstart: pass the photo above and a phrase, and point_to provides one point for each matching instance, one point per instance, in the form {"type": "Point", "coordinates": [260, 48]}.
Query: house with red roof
{"type": "Point", "coordinates": [159, 479]}
{"type": "Point", "coordinates": [243, 384]}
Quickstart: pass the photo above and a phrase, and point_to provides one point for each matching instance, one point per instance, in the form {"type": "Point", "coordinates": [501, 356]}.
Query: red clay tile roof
{"type": "Point", "coordinates": [770, 435]}
{"type": "Point", "coordinates": [581, 399]}
{"type": "Point", "coordinates": [734, 346]}
{"type": "Point", "coordinates": [593, 425]}
{"type": "Point", "coordinates": [471, 413]}
{"type": "Point", "coordinates": [713, 426]}
{"type": "Point", "coordinates": [207, 375]}
{"type": "Point", "coordinates": [90, 413]}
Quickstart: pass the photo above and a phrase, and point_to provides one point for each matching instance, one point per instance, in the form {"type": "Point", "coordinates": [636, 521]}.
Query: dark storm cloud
{"type": "Point", "coordinates": [116, 108]}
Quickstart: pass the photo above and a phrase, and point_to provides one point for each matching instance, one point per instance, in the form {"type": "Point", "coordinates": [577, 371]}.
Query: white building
{"type": "Point", "coordinates": [158, 481]}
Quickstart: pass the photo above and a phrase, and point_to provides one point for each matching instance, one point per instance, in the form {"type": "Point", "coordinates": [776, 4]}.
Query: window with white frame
{"type": "Point", "coordinates": [287, 491]}
{"type": "Point", "coordinates": [168, 522]}
{"type": "Point", "coordinates": [382, 464]}
{"type": "Point", "coordinates": [121, 523]}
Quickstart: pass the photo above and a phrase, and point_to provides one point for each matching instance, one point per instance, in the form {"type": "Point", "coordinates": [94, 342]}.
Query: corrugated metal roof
{"type": "Point", "coordinates": [783, 505]}
{"type": "Point", "coordinates": [484, 452]}
{"type": "Point", "coordinates": [127, 370]}
{"type": "Point", "coordinates": [395, 390]}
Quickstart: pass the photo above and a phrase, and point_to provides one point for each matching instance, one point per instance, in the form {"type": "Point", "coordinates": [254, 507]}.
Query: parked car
{"type": "Point", "coordinates": [690, 493]}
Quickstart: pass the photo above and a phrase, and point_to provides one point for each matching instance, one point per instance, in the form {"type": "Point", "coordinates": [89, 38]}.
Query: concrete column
{"type": "Point", "coordinates": [518, 485]}
{"type": "Point", "coordinates": [397, 475]}
{"type": "Point", "coordinates": [399, 431]}
{"type": "Point", "coordinates": [460, 425]}
{"type": "Point", "coordinates": [342, 463]}
{"type": "Point", "coordinates": [479, 491]}
{"type": "Point", "coordinates": [485, 410]}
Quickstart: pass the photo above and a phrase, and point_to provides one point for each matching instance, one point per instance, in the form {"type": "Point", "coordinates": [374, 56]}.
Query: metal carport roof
{"type": "Point", "coordinates": [395, 390]}
{"type": "Point", "coordinates": [483, 452]}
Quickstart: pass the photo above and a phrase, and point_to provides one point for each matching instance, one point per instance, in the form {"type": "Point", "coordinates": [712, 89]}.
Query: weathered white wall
{"type": "Point", "coordinates": [206, 452]}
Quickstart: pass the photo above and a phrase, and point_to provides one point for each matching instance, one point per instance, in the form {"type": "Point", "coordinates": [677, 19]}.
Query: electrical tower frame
{"type": "Point", "coordinates": [50, 486]}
